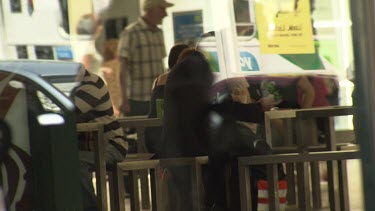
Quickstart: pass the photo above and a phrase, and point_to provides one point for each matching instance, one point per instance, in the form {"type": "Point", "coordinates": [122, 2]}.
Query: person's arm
{"type": "Point", "coordinates": [124, 105]}
{"type": "Point", "coordinates": [154, 84]}
{"type": "Point", "coordinates": [125, 49]}
{"type": "Point", "coordinates": [308, 92]}
{"type": "Point", "coordinates": [252, 112]}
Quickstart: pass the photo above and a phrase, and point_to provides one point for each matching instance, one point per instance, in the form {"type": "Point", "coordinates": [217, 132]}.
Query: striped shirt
{"type": "Point", "coordinates": [93, 104]}
{"type": "Point", "coordinates": [144, 49]}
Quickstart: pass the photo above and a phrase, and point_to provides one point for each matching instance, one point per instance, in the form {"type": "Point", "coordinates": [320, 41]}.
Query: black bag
{"type": "Point", "coordinates": [231, 140]}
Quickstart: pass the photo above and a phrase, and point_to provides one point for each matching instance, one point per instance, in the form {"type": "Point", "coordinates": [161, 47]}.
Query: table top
{"type": "Point", "coordinates": [316, 112]}
{"type": "Point", "coordinates": [139, 156]}
{"type": "Point", "coordinates": [140, 122]}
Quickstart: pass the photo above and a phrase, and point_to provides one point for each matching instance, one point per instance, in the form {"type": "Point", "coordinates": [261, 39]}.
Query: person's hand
{"type": "Point", "coordinates": [124, 106]}
{"type": "Point", "coordinates": [116, 112]}
{"type": "Point", "coordinates": [268, 102]}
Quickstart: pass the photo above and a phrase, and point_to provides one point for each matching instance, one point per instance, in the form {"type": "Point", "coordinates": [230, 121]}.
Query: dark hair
{"type": "Point", "coordinates": [189, 52]}
{"type": "Point", "coordinates": [174, 54]}
{"type": "Point", "coordinates": [86, 25]}
{"type": "Point", "coordinates": [186, 99]}
{"type": "Point", "coordinates": [192, 68]}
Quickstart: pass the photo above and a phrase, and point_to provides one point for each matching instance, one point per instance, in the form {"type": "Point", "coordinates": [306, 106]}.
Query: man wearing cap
{"type": "Point", "coordinates": [141, 52]}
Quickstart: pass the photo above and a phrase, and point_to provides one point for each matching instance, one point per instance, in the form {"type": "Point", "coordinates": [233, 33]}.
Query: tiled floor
{"type": "Point", "coordinates": [354, 183]}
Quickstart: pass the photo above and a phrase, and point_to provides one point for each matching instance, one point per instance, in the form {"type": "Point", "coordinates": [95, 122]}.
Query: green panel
{"type": "Point", "coordinates": [305, 61]}
{"type": "Point", "coordinates": [328, 49]}
{"type": "Point", "coordinates": [160, 108]}
{"type": "Point", "coordinates": [213, 60]}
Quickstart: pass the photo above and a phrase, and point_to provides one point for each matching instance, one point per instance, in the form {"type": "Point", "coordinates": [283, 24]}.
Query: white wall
{"type": "Point", "coordinates": [41, 27]}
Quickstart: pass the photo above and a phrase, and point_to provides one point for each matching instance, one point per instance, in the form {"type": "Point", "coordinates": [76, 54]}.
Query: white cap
{"type": "Point", "coordinates": [147, 4]}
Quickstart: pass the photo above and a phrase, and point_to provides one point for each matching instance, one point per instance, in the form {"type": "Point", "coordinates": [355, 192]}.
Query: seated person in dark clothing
{"type": "Point", "coordinates": [234, 136]}
{"type": "Point", "coordinates": [194, 127]}
{"type": "Point", "coordinates": [153, 135]}
{"type": "Point", "coordinates": [186, 120]}
{"type": "Point", "coordinates": [186, 103]}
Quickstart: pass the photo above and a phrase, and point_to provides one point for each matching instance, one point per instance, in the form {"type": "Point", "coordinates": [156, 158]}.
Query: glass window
{"type": "Point", "coordinates": [242, 15]}
{"type": "Point", "coordinates": [64, 15]}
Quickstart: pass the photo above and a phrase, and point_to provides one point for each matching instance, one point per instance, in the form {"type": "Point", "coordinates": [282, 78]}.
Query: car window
{"type": "Point", "coordinates": [244, 23]}
{"type": "Point", "coordinates": [37, 100]}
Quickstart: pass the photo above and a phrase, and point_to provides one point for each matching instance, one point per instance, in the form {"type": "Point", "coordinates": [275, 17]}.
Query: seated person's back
{"type": "Point", "coordinates": [153, 135]}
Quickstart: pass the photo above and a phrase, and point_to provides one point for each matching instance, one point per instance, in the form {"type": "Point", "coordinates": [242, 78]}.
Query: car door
{"type": "Point", "coordinates": [41, 171]}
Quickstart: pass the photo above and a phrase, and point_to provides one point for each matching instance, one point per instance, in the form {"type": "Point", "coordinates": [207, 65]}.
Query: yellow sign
{"type": "Point", "coordinates": [284, 26]}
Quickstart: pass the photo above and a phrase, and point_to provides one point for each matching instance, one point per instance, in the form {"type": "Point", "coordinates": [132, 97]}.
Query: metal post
{"type": "Point", "coordinates": [363, 30]}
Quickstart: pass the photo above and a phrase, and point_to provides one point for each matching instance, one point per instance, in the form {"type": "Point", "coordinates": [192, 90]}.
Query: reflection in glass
{"type": "Point", "coordinates": [244, 25]}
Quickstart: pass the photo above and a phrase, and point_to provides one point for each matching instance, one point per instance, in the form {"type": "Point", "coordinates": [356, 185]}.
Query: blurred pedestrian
{"type": "Point", "coordinates": [141, 52]}
{"type": "Point", "coordinates": [110, 69]}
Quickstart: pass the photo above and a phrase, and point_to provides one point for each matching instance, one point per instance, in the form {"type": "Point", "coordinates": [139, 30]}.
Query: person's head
{"type": "Point", "coordinates": [193, 60]}
{"type": "Point", "coordinates": [239, 90]}
{"type": "Point", "coordinates": [189, 52]}
{"type": "Point", "coordinates": [193, 73]}
{"type": "Point", "coordinates": [155, 11]}
{"type": "Point", "coordinates": [174, 54]}
{"type": "Point", "coordinates": [89, 24]}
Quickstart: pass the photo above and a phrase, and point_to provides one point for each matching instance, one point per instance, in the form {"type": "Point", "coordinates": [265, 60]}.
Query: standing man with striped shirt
{"type": "Point", "coordinates": [141, 51]}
